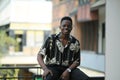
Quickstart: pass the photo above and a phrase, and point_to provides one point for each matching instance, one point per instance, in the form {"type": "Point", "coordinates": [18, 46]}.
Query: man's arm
{"type": "Point", "coordinates": [42, 53]}
{"type": "Point", "coordinates": [44, 67]}
{"type": "Point", "coordinates": [40, 58]}
{"type": "Point", "coordinates": [41, 62]}
{"type": "Point", "coordinates": [75, 64]}
{"type": "Point", "coordinates": [77, 57]}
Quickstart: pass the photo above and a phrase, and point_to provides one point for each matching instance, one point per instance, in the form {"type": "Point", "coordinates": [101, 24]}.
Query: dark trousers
{"type": "Point", "coordinates": [76, 74]}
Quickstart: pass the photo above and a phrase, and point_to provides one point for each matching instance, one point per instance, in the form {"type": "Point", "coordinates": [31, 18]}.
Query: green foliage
{"type": "Point", "coordinates": [8, 73]}
{"type": "Point", "coordinates": [5, 42]}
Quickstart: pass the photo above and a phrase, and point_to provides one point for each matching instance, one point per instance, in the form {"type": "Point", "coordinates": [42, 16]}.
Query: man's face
{"type": "Point", "coordinates": [66, 27]}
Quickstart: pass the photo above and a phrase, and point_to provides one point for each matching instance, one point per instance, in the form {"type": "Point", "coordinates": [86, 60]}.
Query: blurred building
{"type": "Point", "coordinates": [26, 22]}
{"type": "Point", "coordinates": [29, 23]}
{"type": "Point", "coordinates": [92, 58]}
{"type": "Point", "coordinates": [112, 52]}
{"type": "Point", "coordinates": [88, 27]}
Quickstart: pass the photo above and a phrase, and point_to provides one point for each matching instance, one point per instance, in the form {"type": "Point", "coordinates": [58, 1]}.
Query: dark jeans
{"type": "Point", "coordinates": [76, 74]}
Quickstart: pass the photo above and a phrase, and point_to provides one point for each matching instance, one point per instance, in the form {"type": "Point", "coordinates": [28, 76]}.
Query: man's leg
{"type": "Point", "coordinates": [56, 74]}
{"type": "Point", "coordinates": [77, 74]}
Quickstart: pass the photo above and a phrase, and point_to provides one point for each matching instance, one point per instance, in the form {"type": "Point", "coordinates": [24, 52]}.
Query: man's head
{"type": "Point", "coordinates": [66, 25]}
{"type": "Point", "coordinates": [66, 18]}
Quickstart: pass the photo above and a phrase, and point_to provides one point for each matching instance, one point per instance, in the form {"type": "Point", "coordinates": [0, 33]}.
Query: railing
{"type": "Point", "coordinates": [20, 73]}
{"type": "Point", "coordinates": [34, 76]}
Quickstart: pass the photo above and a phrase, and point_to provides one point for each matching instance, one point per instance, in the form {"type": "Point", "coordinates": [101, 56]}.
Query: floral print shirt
{"type": "Point", "coordinates": [57, 54]}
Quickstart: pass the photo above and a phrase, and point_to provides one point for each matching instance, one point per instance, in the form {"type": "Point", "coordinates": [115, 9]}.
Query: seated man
{"type": "Point", "coordinates": [62, 52]}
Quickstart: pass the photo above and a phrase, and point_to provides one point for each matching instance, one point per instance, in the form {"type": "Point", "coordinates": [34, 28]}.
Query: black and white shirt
{"type": "Point", "coordinates": [57, 54]}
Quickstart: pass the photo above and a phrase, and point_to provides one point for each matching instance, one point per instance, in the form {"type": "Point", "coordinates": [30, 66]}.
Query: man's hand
{"type": "Point", "coordinates": [65, 75]}
{"type": "Point", "coordinates": [46, 72]}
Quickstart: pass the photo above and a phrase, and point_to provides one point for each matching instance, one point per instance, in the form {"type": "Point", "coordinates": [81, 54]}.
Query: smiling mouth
{"type": "Point", "coordinates": [66, 31]}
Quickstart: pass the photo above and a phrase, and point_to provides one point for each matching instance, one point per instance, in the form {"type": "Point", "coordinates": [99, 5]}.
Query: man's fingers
{"type": "Point", "coordinates": [43, 77]}
{"type": "Point", "coordinates": [51, 73]}
{"type": "Point", "coordinates": [46, 73]}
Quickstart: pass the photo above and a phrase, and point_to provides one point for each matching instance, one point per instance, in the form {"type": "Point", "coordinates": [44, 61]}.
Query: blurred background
{"type": "Point", "coordinates": [25, 24]}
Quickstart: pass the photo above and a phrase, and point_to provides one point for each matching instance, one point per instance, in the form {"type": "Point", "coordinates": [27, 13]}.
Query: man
{"type": "Point", "coordinates": [62, 52]}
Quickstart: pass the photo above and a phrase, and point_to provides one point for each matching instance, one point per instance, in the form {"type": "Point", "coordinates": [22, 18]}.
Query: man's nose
{"type": "Point", "coordinates": [66, 26]}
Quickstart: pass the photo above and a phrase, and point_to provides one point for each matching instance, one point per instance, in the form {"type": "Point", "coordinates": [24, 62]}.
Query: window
{"type": "Point", "coordinates": [83, 2]}
{"type": "Point", "coordinates": [61, 0]}
{"type": "Point", "coordinates": [103, 38]}
{"type": "Point", "coordinates": [90, 36]}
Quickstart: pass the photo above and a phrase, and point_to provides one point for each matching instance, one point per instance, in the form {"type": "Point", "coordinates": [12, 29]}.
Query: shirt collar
{"type": "Point", "coordinates": [58, 36]}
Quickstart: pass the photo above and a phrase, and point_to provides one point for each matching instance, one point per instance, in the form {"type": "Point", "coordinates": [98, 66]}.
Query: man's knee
{"type": "Point", "coordinates": [77, 74]}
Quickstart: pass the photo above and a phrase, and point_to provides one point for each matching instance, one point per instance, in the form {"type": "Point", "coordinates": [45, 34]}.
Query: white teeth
{"type": "Point", "coordinates": [66, 30]}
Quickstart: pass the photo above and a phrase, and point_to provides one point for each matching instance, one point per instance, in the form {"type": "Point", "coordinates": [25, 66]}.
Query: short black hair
{"type": "Point", "coordinates": [66, 18]}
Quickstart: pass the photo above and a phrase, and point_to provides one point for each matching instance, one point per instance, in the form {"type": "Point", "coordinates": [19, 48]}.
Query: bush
{"type": "Point", "coordinates": [5, 42]}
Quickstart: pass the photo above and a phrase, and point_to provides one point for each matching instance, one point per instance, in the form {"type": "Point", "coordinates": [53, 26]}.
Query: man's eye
{"type": "Point", "coordinates": [67, 26]}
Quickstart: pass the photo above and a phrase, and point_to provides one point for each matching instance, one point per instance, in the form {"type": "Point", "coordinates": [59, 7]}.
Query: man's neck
{"type": "Point", "coordinates": [62, 36]}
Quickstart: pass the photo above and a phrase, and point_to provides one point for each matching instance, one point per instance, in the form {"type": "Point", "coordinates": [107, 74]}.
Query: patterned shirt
{"type": "Point", "coordinates": [57, 54]}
